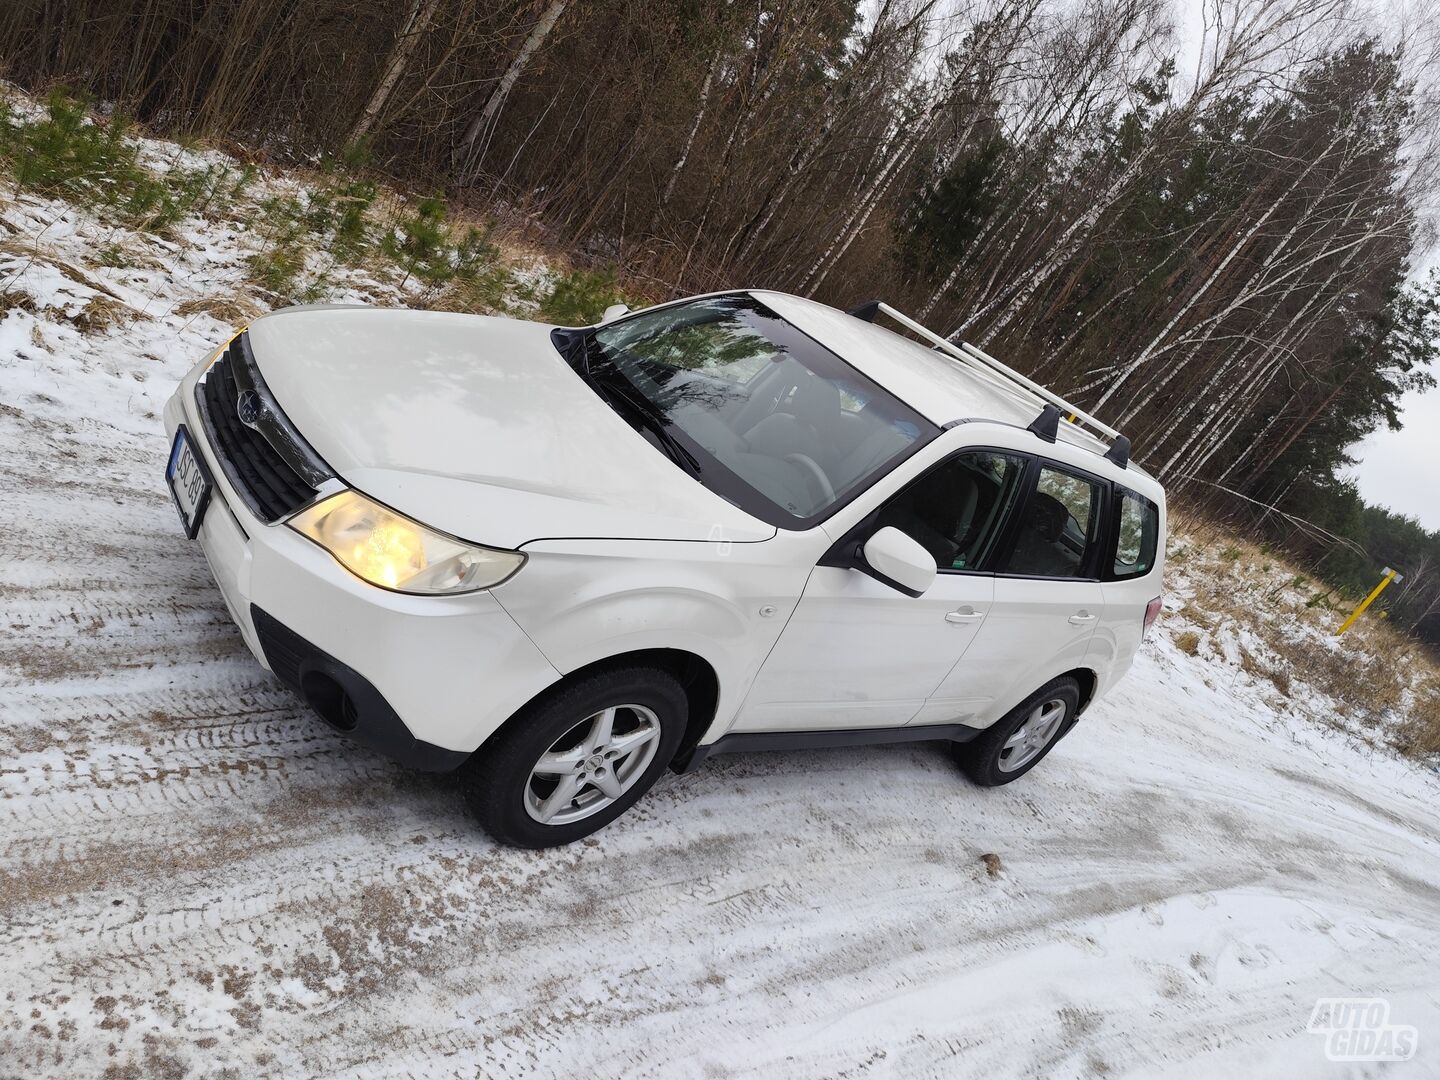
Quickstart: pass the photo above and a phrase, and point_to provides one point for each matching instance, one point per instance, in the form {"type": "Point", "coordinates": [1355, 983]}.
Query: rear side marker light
{"type": "Point", "coordinates": [1152, 612]}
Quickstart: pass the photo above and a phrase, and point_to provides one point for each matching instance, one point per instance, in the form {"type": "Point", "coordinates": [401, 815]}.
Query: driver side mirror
{"type": "Point", "coordinates": [898, 560]}
{"type": "Point", "coordinates": [613, 312]}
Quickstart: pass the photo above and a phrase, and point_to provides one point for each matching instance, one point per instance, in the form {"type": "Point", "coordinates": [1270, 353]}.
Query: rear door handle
{"type": "Point", "coordinates": [965, 614]}
{"type": "Point", "coordinates": [1080, 618]}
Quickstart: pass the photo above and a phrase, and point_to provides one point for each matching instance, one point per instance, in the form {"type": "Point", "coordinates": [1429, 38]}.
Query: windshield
{"type": "Point", "coordinates": [758, 411]}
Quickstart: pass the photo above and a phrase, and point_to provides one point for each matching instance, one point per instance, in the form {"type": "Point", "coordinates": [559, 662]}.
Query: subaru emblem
{"type": "Point", "coordinates": [249, 408]}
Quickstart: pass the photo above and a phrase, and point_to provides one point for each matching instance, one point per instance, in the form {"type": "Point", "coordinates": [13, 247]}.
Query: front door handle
{"type": "Point", "coordinates": [1080, 618]}
{"type": "Point", "coordinates": [966, 614]}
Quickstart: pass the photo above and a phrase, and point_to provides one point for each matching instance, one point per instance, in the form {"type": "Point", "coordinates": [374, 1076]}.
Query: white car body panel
{"type": "Point", "coordinates": [583, 601]}
{"type": "Point", "coordinates": [477, 427]}
{"type": "Point", "coordinates": [1027, 640]}
{"type": "Point", "coordinates": [400, 642]}
{"type": "Point", "coordinates": [858, 654]}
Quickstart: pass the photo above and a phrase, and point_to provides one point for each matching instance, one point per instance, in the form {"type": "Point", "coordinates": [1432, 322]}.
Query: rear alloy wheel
{"type": "Point", "coordinates": [572, 762]}
{"type": "Point", "coordinates": [1017, 742]}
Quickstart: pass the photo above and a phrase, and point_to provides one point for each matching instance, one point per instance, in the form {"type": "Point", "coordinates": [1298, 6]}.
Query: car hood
{"type": "Point", "coordinates": [477, 426]}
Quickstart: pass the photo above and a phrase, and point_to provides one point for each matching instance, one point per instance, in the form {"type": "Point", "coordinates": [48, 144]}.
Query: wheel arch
{"type": "Point", "coordinates": [696, 675]}
{"type": "Point", "coordinates": [1088, 681]}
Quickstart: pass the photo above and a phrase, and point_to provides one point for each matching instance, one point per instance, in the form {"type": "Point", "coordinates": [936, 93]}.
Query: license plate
{"type": "Point", "coordinates": [189, 482]}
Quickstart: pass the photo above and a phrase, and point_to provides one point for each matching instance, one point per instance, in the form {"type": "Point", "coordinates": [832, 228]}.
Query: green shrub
{"type": "Point", "coordinates": [485, 293]}
{"type": "Point", "coordinates": [421, 244]}
{"type": "Point", "coordinates": [112, 255]}
{"type": "Point", "coordinates": [285, 224]}
{"type": "Point", "coordinates": [340, 208]}
{"type": "Point", "coordinates": [352, 217]}
{"type": "Point", "coordinates": [317, 290]}
{"type": "Point", "coordinates": [334, 217]}
{"type": "Point", "coordinates": [278, 268]}
{"type": "Point", "coordinates": [65, 154]}
{"type": "Point", "coordinates": [580, 297]}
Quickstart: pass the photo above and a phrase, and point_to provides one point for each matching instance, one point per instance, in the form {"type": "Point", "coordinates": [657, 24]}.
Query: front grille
{"type": "Point", "coordinates": [255, 468]}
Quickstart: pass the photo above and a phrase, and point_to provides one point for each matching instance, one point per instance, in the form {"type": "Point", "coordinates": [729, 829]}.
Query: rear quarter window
{"type": "Point", "coordinates": [1137, 529]}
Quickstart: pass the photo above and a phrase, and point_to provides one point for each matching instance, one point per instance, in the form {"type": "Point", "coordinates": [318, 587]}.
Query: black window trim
{"type": "Point", "coordinates": [1112, 544]}
{"type": "Point", "coordinates": [722, 481]}
{"type": "Point", "coordinates": [845, 553]}
{"type": "Point", "coordinates": [1090, 569]}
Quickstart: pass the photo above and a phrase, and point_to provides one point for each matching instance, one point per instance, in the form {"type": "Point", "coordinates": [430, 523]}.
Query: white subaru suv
{"type": "Point", "coordinates": [563, 560]}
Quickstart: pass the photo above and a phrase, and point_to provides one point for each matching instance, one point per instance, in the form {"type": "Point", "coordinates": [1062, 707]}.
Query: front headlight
{"type": "Point", "coordinates": [389, 550]}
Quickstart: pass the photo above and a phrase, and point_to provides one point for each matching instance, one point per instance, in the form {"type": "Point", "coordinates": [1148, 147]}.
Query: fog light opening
{"type": "Point", "coordinates": [328, 698]}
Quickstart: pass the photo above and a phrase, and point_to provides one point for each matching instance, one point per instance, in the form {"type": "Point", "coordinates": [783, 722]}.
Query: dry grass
{"type": "Point", "coordinates": [1279, 626]}
{"type": "Point", "coordinates": [1419, 733]}
{"type": "Point", "coordinates": [232, 310]}
{"type": "Point", "coordinates": [32, 250]}
{"type": "Point", "coordinates": [1281, 678]}
{"type": "Point", "coordinates": [16, 299]}
{"type": "Point", "coordinates": [101, 313]}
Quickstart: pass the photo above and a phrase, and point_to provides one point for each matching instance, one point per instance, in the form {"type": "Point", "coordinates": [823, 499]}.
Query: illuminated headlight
{"type": "Point", "coordinates": [389, 550]}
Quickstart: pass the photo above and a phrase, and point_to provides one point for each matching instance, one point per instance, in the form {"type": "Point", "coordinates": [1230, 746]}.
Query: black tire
{"type": "Point", "coordinates": [983, 759]}
{"type": "Point", "coordinates": [497, 778]}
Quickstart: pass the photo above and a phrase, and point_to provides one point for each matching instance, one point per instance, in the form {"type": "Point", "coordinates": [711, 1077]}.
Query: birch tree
{"type": "Point", "coordinates": [412, 34]}
{"type": "Point", "coordinates": [473, 145]}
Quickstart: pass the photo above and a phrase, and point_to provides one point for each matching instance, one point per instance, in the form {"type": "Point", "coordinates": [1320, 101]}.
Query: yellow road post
{"type": "Point", "coordinates": [1390, 575]}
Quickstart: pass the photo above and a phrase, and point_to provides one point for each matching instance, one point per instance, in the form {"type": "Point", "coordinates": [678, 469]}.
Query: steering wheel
{"type": "Point", "coordinates": [813, 471]}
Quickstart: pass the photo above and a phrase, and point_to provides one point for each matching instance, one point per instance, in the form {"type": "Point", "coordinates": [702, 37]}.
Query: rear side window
{"type": "Point", "coordinates": [1137, 527]}
{"type": "Point", "coordinates": [958, 508]}
{"type": "Point", "coordinates": [1058, 526]}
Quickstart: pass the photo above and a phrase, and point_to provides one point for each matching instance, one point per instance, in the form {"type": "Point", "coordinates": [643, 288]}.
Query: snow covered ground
{"type": "Point", "coordinates": [198, 878]}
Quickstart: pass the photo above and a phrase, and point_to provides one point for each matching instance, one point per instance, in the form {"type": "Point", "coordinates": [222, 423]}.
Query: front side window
{"type": "Point", "coordinates": [958, 508]}
{"type": "Point", "coordinates": [759, 412]}
{"type": "Point", "coordinates": [1137, 527]}
{"type": "Point", "coordinates": [1058, 528]}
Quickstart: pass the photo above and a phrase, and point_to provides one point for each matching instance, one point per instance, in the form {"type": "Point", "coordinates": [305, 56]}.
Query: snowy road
{"type": "Point", "coordinates": [196, 877]}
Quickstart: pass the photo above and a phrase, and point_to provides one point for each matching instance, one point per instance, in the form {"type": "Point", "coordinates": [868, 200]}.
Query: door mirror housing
{"type": "Point", "coordinates": [898, 560]}
{"type": "Point", "coordinates": [613, 312]}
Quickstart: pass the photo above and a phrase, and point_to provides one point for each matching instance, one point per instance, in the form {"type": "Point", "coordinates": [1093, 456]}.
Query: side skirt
{"type": "Point", "coordinates": [743, 742]}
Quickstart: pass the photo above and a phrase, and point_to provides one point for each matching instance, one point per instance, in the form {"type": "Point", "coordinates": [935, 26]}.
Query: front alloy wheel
{"type": "Point", "coordinates": [593, 764]}
{"type": "Point", "coordinates": [573, 761]}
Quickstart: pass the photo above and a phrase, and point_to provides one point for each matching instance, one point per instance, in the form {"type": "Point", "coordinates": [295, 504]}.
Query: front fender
{"type": "Point", "coordinates": [581, 602]}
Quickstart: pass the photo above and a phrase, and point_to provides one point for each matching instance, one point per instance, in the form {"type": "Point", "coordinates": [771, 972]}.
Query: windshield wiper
{"type": "Point", "coordinates": [573, 348]}
{"type": "Point", "coordinates": [614, 386]}
{"type": "Point", "coordinates": [655, 424]}
{"type": "Point", "coordinates": [673, 446]}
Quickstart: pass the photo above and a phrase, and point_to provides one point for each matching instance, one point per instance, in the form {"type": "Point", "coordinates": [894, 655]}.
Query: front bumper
{"type": "Point", "coordinates": [449, 669]}
{"type": "Point", "coordinates": [345, 699]}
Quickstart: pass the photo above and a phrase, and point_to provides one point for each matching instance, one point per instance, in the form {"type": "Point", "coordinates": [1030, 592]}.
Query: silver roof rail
{"type": "Point", "coordinates": [978, 360]}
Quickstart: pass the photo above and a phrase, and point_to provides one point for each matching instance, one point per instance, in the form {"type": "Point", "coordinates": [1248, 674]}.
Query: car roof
{"type": "Point", "coordinates": [941, 389]}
